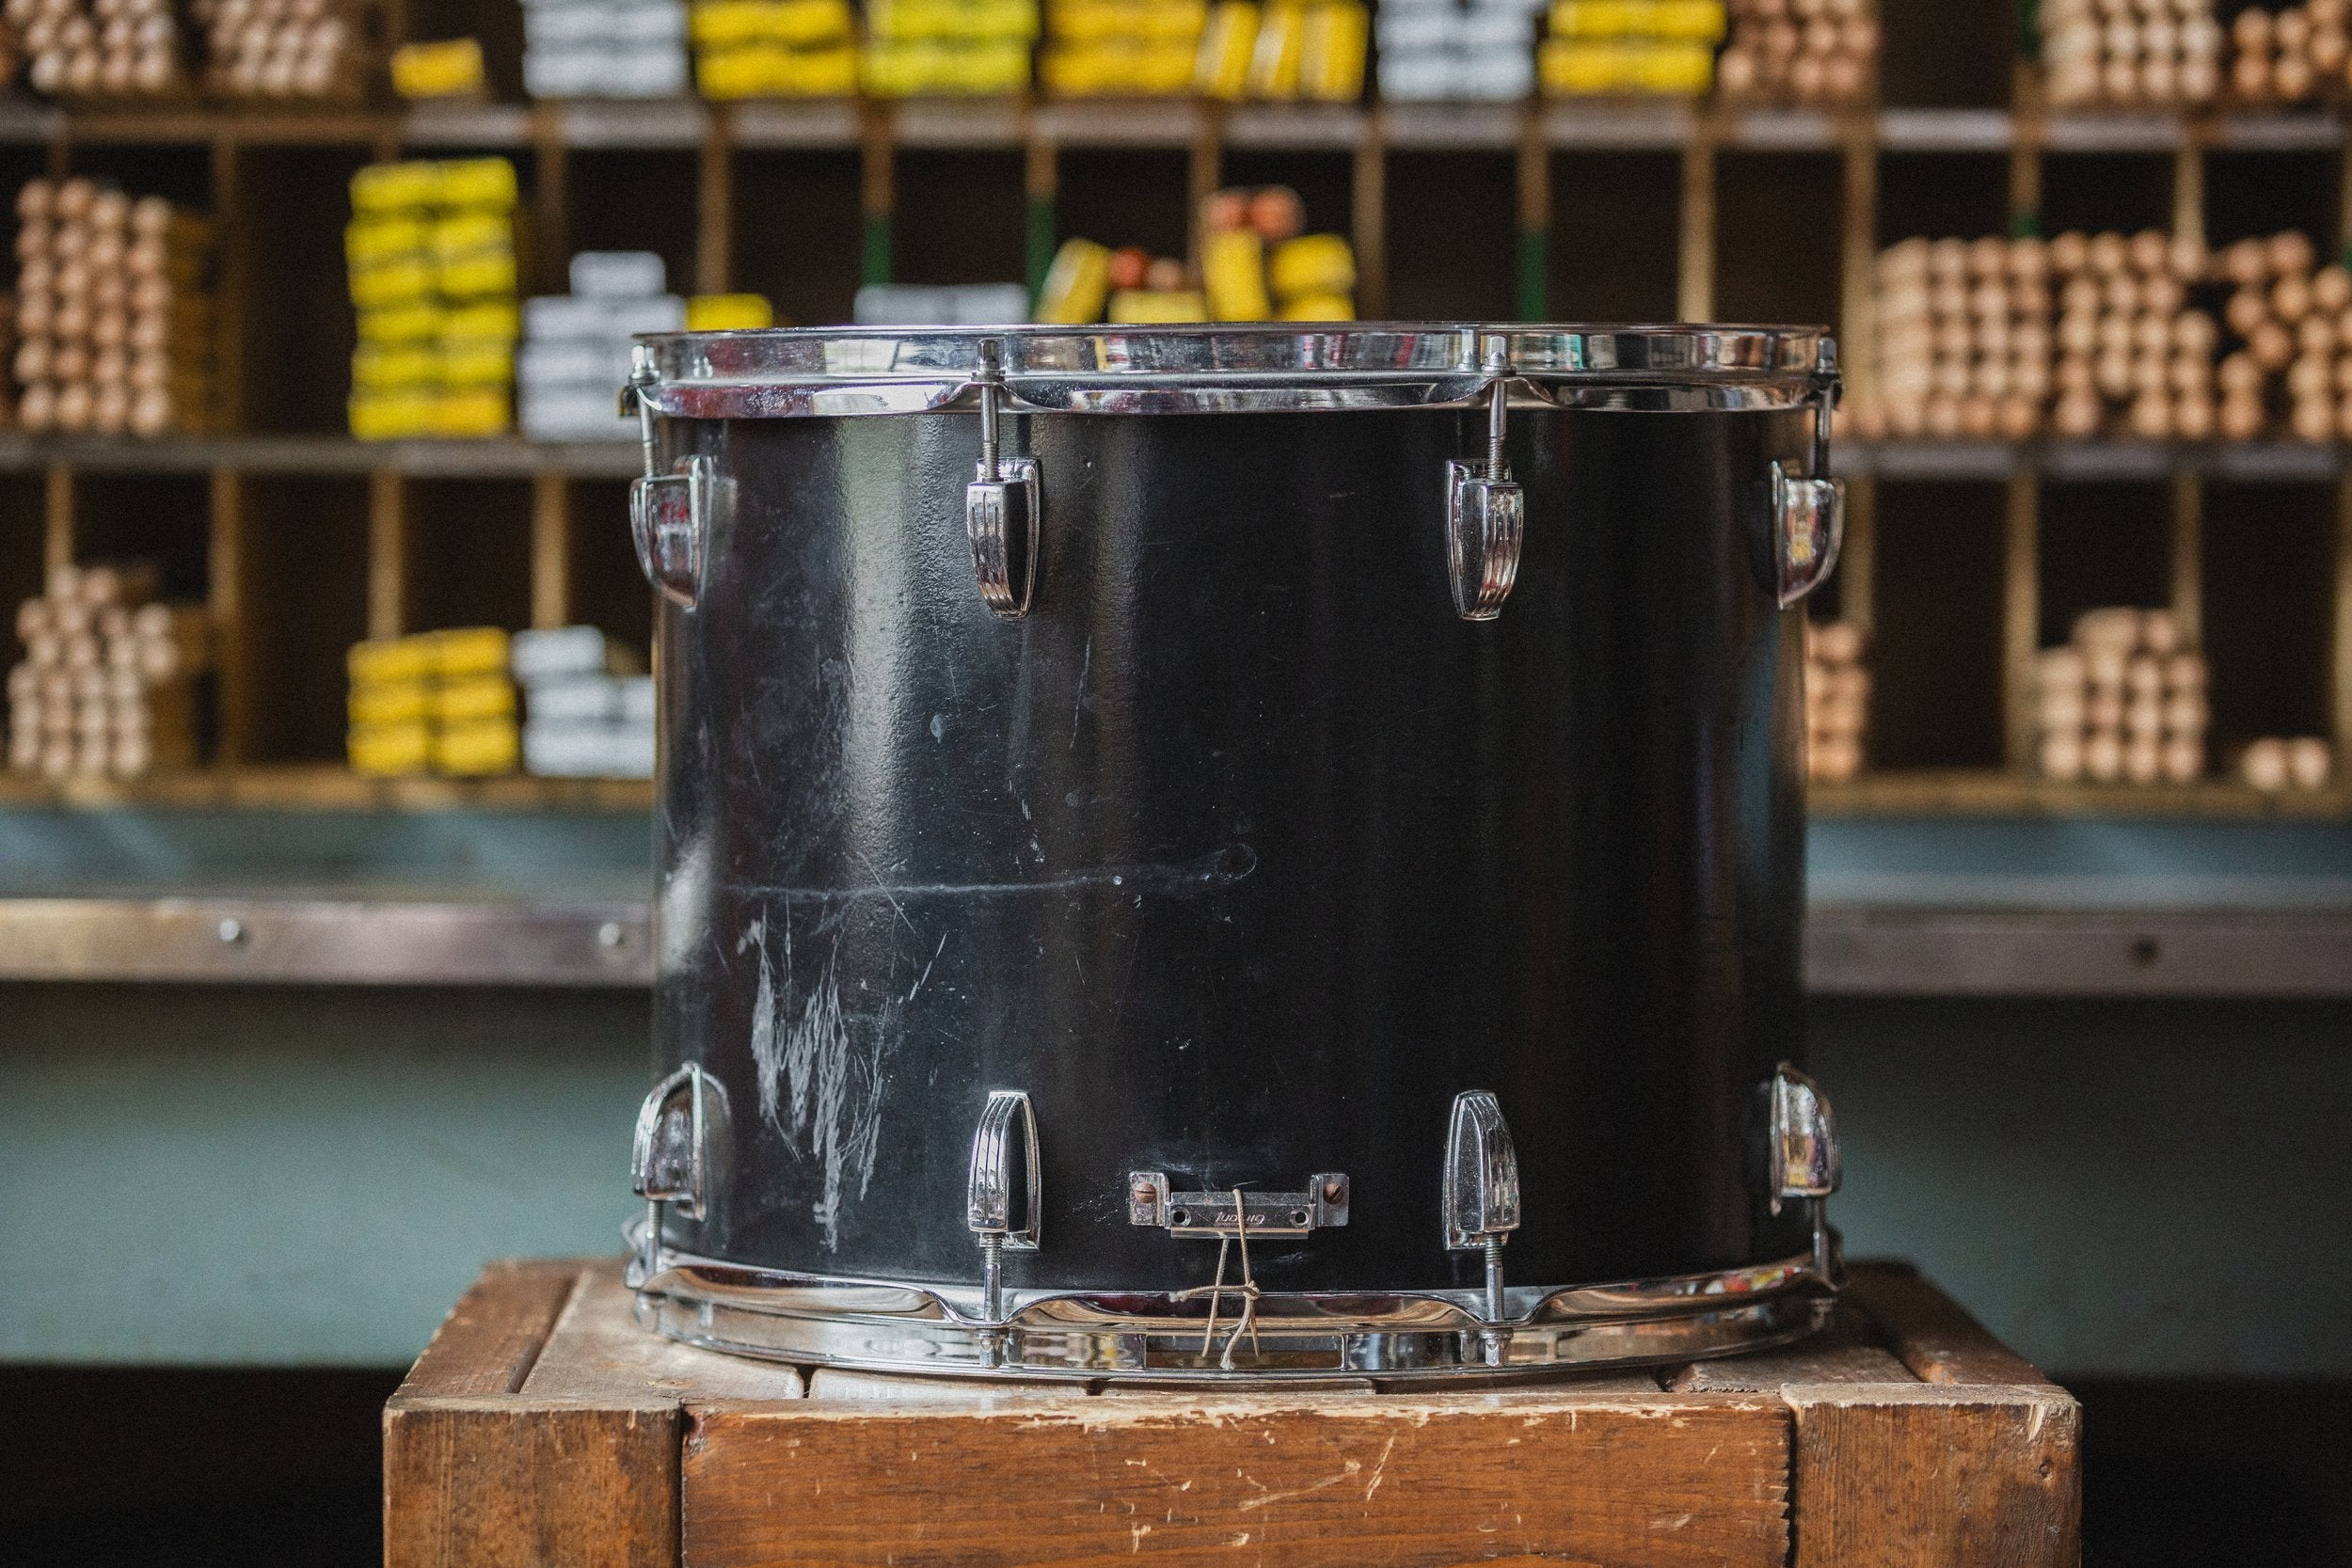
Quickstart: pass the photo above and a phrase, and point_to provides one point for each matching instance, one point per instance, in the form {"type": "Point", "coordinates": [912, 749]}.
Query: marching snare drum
{"type": "Point", "coordinates": [1232, 851]}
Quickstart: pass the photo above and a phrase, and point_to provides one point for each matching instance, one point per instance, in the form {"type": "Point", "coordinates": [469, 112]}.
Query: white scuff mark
{"type": "Point", "coordinates": [1086, 666]}
{"type": "Point", "coordinates": [1134, 1536]}
{"type": "Point", "coordinates": [817, 1086]}
{"type": "Point", "coordinates": [1379, 1469]}
{"type": "Point", "coordinates": [927, 968]}
{"type": "Point", "coordinates": [1675, 1521]}
{"type": "Point", "coordinates": [1268, 1499]}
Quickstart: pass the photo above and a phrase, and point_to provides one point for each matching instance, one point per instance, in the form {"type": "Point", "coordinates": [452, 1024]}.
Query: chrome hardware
{"type": "Point", "coordinates": [1808, 525]}
{"type": "Point", "coordinates": [1802, 1145]}
{"type": "Point", "coordinates": [670, 1159]}
{"type": "Point", "coordinates": [1486, 512]}
{"type": "Point", "coordinates": [1482, 1193]}
{"type": "Point", "coordinates": [1157, 1336]}
{"type": "Point", "coordinates": [1001, 506]}
{"type": "Point", "coordinates": [669, 515]}
{"type": "Point", "coordinates": [988, 1197]}
{"type": "Point", "coordinates": [1214, 1216]}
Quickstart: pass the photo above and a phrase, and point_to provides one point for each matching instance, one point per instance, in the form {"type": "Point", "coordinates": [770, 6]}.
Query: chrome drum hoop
{"type": "Point", "coordinates": [878, 1326]}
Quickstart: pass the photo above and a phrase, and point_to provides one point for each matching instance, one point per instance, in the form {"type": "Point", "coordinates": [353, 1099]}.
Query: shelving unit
{"type": "Point", "coordinates": [1964, 558]}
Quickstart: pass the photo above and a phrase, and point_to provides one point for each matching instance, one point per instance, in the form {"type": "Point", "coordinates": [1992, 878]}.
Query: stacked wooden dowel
{"type": "Point", "coordinates": [113, 322]}
{"type": "Point", "coordinates": [2275, 764]}
{"type": "Point", "coordinates": [108, 683]}
{"type": "Point", "coordinates": [2129, 348]}
{"type": "Point", "coordinates": [2130, 53]}
{"type": "Point", "coordinates": [1815, 52]}
{"type": "Point", "coordinates": [2125, 699]}
{"type": "Point", "coordinates": [2294, 55]}
{"type": "Point", "coordinates": [308, 49]}
{"type": "Point", "coordinates": [101, 48]}
{"type": "Point", "coordinates": [2290, 324]}
{"type": "Point", "coordinates": [1964, 340]}
{"type": "Point", "coordinates": [1836, 700]}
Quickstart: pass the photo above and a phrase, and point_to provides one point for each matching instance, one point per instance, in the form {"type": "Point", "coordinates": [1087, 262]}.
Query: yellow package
{"type": "Point", "coordinates": [1078, 285]}
{"type": "Point", "coordinates": [1577, 68]}
{"type": "Point", "coordinates": [817, 72]}
{"type": "Point", "coordinates": [1674, 67]}
{"type": "Point", "coordinates": [477, 362]}
{"type": "Point", "coordinates": [728, 23]}
{"type": "Point", "coordinates": [482, 320]}
{"type": "Point", "coordinates": [1134, 305]}
{"type": "Point", "coordinates": [803, 23]}
{"type": "Point", "coordinates": [400, 323]}
{"type": "Point", "coordinates": [1311, 264]}
{"type": "Point", "coordinates": [1162, 69]}
{"type": "Point", "coordinates": [392, 415]}
{"type": "Point", "coordinates": [449, 69]}
{"type": "Point", "coordinates": [469, 411]}
{"type": "Point", "coordinates": [375, 239]}
{"type": "Point", "coordinates": [1086, 20]}
{"type": "Point", "coordinates": [395, 188]}
{"type": "Point", "coordinates": [1317, 308]}
{"type": "Point", "coordinates": [485, 272]}
{"type": "Point", "coordinates": [388, 661]}
{"type": "Point", "coordinates": [1232, 273]}
{"type": "Point", "coordinates": [462, 651]}
{"type": "Point", "coordinates": [468, 233]}
{"type": "Point", "coordinates": [387, 367]}
{"type": "Point", "coordinates": [476, 748]}
{"type": "Point", "coordinates": [477, 182]}
{"type": "Point", "coordinates": [1597, 19]}
{"type": "Point", "coordinates": [1175, 21]}
{"type": "Point", "coordinates": [728, 313]}
{"type": "Point", "coordinates": [1691, 21]}
{"type": "Point", "coordinates": [390, 751]}
{"type": "Point", "coordinates": [1221, 66]}
{"type": "Point", "coordinates": [376, 706]}
{"type": "Point", "coordinates": [1331, 53]}
{"type": "Point", "coordinates": [475, 697]}
{"type": "Point", "coordinates": [1274, 62]}
{"type": "Point", "coordinates": [399, 280]}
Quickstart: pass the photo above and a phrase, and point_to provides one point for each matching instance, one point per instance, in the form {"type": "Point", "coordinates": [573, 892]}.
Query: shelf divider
{"type": "Point", "coordinates": [714, 205]}
{"type": "Point", "coordinates": [1369, 215]}
{"type": "Point", "coordinates": [1695, 280]}
{"type": "Point", "coordinates": [2021, 618]}
{"type": "Point", "coordinates": [388, 553]}
{"type": "Point", "coordinates": [551, 551]}
{"type": "Point", "coordinates": [226, 566]}
{"type": "Point", "coordinates": [56, 516]}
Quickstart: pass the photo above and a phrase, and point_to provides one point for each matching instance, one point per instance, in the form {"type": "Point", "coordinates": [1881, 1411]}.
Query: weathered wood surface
{"type": "Point", "coordinates": [544, 1427]}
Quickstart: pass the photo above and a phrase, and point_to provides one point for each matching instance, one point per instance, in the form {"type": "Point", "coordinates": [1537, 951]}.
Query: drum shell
{"type": "Point", "coordinates": [1242, 853]}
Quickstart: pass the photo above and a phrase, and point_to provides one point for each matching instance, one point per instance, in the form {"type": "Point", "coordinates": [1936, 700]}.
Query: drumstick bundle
{"type": "Point", "coordinates": [2152, 53]}
{"type": "Point", "coordinates": [438, 701]}
{"type": "Point", "coordinates": [1963, 338]}
{"type": "Point", "coordinates": [2124, 700]}
{"type": "Point", "coordinates": [947, 47]}
{"type": "Point", "coordinates": [1836, 700]}
{"type": "Point", "coordinates": [2289, 339]}
{"type": "Point", "coordinates": [773, 48]}
{"type": "Point", "coordinates": [284, 48]}
{"type": "Point", "coordinates": [2294, 55]}
{"type": "Point", "coordinates": [113, 321]}
{"type": "Point", "coordinates": [431, 249]}
{"type": "Point", "coordinates": [2275, 763]}
{"type": "Point", "coordinates": [108, 683]}
{"type": "Point", "coordinates": [101, 48]}
{"type": "Point", "coordinates": [1815, 52]}
{"type": "Point", "coordinates": [2130, 349]}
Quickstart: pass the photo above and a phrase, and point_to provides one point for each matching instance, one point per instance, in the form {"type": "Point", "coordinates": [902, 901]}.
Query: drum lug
{"type": "Point", "coordinates": [1485, 516]}
{"type": "Point", "coordinates": [1808, 524]}
{"type": "Point", "coordinates": [1481, 1194]}
{"type": "Point", "coordinates": [1008, 1130]}
{"type": "Point", "coordinates": [1001, 508]}
{"type": "Point", "coordinates": [1212, 1216]}
{"type": "Point", "coordinates": [669, 515]}
{"type": "Point", "coordinates": [1802, 1145]}
{"type": "Point", "coordinates": [670, 1161]}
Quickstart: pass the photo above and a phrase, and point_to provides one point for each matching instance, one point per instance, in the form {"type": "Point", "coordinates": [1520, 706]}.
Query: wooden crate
{"type": "Point", "coordinates": [542, 1426]}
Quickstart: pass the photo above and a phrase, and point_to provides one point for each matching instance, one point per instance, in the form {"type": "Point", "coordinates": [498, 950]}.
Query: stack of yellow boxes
{"type": "Point", "coordinates": [432, 252]}
{"type": "Point", "coordinates": [440, 701]}
{"type": "Point", "coordinates": [1122, 48]}
{"type": "Point", "coordinates": [947, 46]}
{"type": "Point", "coordinates": [1284, 50]}
{"type": "Point", "coordinates": [774, 48]}
{"type": "Point", "coordinates": [1663, 47]}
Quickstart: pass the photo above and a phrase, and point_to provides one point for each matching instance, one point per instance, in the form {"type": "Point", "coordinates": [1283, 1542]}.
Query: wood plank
{"type": "Point", "coordinates": [1985, 1475]}
{"type": "Point", "coordinates": [1628, 1481]}
{"type": "Point", "coordinates": [1845, 1352]}
{"type": "Point", "coordinates": [1930, 1334]}
{"type": "Point", "coordinates": [2021, 619]}
{"type": "Point", "coordinates": [596, 1353]}
{"type": "Point", "coordinates": [488, 1341]}
{"type": "Point", "coordinates": [485, 1483]}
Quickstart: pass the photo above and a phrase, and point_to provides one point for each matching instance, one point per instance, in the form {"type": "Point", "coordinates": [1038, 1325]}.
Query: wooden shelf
{"type": "Point", "coordinates": [1990, 793]}
{"type": "Point", "coordinates": [500, 458]}
{"type": "Point", "coordinates": [325, 787]}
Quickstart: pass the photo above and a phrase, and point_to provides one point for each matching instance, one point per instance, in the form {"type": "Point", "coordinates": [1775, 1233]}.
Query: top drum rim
{"type": "Point", "coordinates": [835, 373]}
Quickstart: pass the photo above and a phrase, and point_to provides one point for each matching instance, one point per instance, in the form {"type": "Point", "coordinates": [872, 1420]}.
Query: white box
{"type": "Point", "coordinates": [572, 413]}
{"type": "Point", "coordinates": [620, 750]}
{"type": "Point", "coordinates": [1421, 76]}
{"type": "Point", "coordinates": [551, 316]}
{"type": "Point", "coordinates": [619, 274]}
{"type": "Point", "coordinates": [574, 362]}
{"type": "Point", "coordinates": [636, 696]}
{"type": "Point", "coordinates": [572, 699]}
{"type": "Point", "coordinates": [556, 653]}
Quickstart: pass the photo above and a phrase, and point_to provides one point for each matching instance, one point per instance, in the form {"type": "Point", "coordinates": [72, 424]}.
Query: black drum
{"type": "Point", "coordinates": [1233, 850]}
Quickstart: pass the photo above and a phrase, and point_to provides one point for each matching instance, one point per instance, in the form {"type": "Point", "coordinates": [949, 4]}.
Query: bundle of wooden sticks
{"type": "Point", "coordinates": [108, 683]}
{"type": "Point", "coordinates": [284, 48]}
{"type": "Point", "coordinates": [2125, 698]}
{"type": "Point", "coordinates": [1836, 700]}
{"type": "Point", "coordinates": [1816, 52]}
{"type": "Point", "coordinates": [101, 48]}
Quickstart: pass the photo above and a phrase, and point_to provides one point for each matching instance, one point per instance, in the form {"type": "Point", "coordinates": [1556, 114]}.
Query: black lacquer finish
{"type": "Point", "coordinates": [1242, 854]}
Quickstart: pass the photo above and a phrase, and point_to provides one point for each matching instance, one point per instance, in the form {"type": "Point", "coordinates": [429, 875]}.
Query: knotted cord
{"type": "Point", "coordinates": [1246, 1290]}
